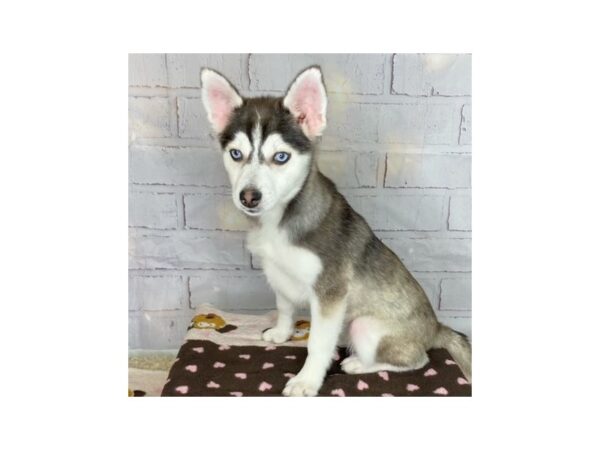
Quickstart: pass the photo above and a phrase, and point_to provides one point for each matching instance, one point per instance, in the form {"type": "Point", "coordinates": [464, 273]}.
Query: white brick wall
{"type": "Point", "coordinates": [428, 171]}
{"type": "Point", "coordinates": [398, 144]}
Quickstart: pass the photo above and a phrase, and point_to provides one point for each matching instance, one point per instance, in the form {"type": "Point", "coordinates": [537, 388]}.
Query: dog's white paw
{"type": "Point", "coordinates": [277, 335]}
{"type": "Point", "coordinates": [352, 365]}
{"type": "Point", "coordinates": [301, 387]}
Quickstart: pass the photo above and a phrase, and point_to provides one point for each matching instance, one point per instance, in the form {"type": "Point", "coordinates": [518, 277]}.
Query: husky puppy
{"type": "Point", "coordinates": [316, 250]}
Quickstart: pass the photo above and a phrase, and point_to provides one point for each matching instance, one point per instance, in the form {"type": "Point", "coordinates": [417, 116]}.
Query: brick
{"type": "Point", "coordinates": [213, 212]}
{"type": "Point", "coordinates": [343, 73]}
{"type": "Point", "coordinates": [149, 117]}
{"type": "Point", "coordinates": [186, 250]}
{"type": "Point", "coordinates": [432, 74]}
{"type": "Point", "coordinates": [152, 210]}
{"type": "Point", "coordinates": [177, 166]}
{"type": "Point", "coordinates": [425, 170]}
{"type": "Point", "coordinates": [350, 122]}
{"type": "Point", "coordinates": [465, 126]}
{"type": "Point", "coordinates": [460, 213]}
{"type": "Point", "coordinates": [456, 294]}
{"type": "Point", "coordinates": [147, 69]}
{"type": "Point", "coordinates": [158, 330]}
{"type": "Point", "coordinates": [256, 262]}
{"type": "Point", "coordinates": [433, 254]}
{"type": "Point", "coordinates": [394, 211]}
{"type": "Point", "coordinates": [184, 69]}
{"type": "Point", "coordinates": [156, 293]}
{"type": "Point", "coordinates": [232, 290]}
{"type": "Point", "coordinates": [192, 120]}
{"type": "Point", "coordinates": [349, 169]}
{"type": "Point", "coordinates": [420, 122]}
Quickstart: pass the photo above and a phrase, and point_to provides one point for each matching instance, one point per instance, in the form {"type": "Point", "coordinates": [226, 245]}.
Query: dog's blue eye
{"type": "Point", "coordinates": [235, 154]}
{"type": "Point", "coordinates": [281, 157]}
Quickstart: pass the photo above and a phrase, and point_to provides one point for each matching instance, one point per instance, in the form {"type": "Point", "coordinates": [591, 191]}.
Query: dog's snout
{"type": "Point", "coordinates": [250, 197]}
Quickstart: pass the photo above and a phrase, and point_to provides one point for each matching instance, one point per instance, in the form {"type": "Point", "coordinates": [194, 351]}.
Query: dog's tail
{"type": "Point", "coordinates": [458, 345]}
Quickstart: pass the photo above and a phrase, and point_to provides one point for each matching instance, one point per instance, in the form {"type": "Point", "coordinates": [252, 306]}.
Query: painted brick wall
{"type": "Point", "coordinates": [398, 144]}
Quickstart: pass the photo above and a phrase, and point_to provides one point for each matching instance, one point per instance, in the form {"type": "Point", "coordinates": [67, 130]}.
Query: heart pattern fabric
{"type": "Point", "coordinates": [204, 368]}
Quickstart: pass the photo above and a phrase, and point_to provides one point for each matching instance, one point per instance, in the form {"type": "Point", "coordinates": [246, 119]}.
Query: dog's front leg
{"type": "Point", "coordinates": [284, 328]}
{"type": "Point", "coordinates": [325, 328]}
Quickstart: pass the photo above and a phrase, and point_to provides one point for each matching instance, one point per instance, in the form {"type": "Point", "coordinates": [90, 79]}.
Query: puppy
{"type": "Point", "coordinates": [315, 249]}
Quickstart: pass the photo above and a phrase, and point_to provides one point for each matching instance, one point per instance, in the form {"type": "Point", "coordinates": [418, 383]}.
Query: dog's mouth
{"type": "Point", "coordinates": [252, 212]}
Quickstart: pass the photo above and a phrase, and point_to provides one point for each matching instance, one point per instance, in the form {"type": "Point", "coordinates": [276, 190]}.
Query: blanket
{"type": "Point", "coordinates": [224, 355]}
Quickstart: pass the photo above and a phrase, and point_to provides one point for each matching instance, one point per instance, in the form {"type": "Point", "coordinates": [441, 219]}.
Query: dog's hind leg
{"type": "Point", "coordinates": [375, 348]}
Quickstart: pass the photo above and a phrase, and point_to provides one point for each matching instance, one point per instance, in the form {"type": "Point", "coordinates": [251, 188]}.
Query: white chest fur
{"type": "Point", "coordinates": [290, 270]}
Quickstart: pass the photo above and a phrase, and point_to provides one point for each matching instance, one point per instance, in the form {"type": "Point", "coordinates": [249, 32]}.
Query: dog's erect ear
{"type": "Point", "coordinates": [219, 97]}
{"type": "Point", "coordinates": [307, 101]}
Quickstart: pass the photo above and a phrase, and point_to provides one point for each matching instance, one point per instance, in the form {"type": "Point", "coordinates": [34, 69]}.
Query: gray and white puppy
{"type": "Point", "coordinates": [316, 250]}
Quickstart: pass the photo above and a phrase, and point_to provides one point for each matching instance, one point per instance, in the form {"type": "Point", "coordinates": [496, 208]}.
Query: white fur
{"type": "Point", "coordinates": [284, 328]}
{"type": "Point", "coordinates": [290, 270]}
{"type": "Point", "coordinates": [365, 334]}
{"type": "Point", "coordinates": [353, 365]}
{"type": "Point", "coordinates": [256, 137]}
{"type": "Point", "coordinates": [325, 330]}
{"type": "Point", "coordinates": [278, 184]}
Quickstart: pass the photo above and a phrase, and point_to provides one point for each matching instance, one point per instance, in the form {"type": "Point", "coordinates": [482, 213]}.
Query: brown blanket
{"type": "Point", "coordinates": [207, 368]}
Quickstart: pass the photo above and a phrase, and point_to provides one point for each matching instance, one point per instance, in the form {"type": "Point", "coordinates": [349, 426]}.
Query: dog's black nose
{"type": "Point", "coordinates": [250, 197]}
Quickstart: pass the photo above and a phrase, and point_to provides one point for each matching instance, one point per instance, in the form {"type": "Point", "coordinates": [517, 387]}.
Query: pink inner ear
{"type": "Point", "coordinates": [306, 102]}
{"type": "Point", "coordinates": [221, 104]}
{"type": "Point", "coordinates": [220, 99]}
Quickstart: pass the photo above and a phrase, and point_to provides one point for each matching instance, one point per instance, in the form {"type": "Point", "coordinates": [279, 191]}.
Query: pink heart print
{"type": "Point", "coordinates": [412, 387]}
{"type": "Point", "coordinates": [441, 391]}
{"type": "Point", "coordinates": [461, 380]}
{"type": "Point", "coordinates": [270, 347]}
{"type": "Point", "coordinates": [241, 375]}
{"type": "Point", "coordinates": [212, 385]}
{"type": "Point", "coordinates": [386, 395]}
{"type": "Point", "coordinates": [198, 349]}
{"type": "Point", "coordinates": [361, 385]}
{"type": "Point", "coordinates": [431, 372]}
{"type": "Point", "coordinates": [338, 392]}
{"type": "Point", "coordinates": [218, 365]}
{"type": "Point", "coordinates": [182, 389]}
{"type": "Point", "coordinates": [245, 356]}
{"type": "Point", "coordinates": [191, 368]}
{"type": "Point", "coordinates": [267, 365]}
{"type": "Point", "coordinates": [264, 386]}
{"type": "Point", "coordinates": [224, 347]}
{"type": "Point", "coordinates": [449, 362]}
{"type": "Point", "coordinates": [288, 375]}
{"type": "Point", "coordinates": [290, 357]}
{"type": "Point", "coordinates": [383, 374]}
{"type": "Point", "coordinates": [236, 394]}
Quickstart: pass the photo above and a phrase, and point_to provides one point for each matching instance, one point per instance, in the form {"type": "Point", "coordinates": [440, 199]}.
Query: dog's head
{"type": "Point", "coordinates": [267, 142]}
